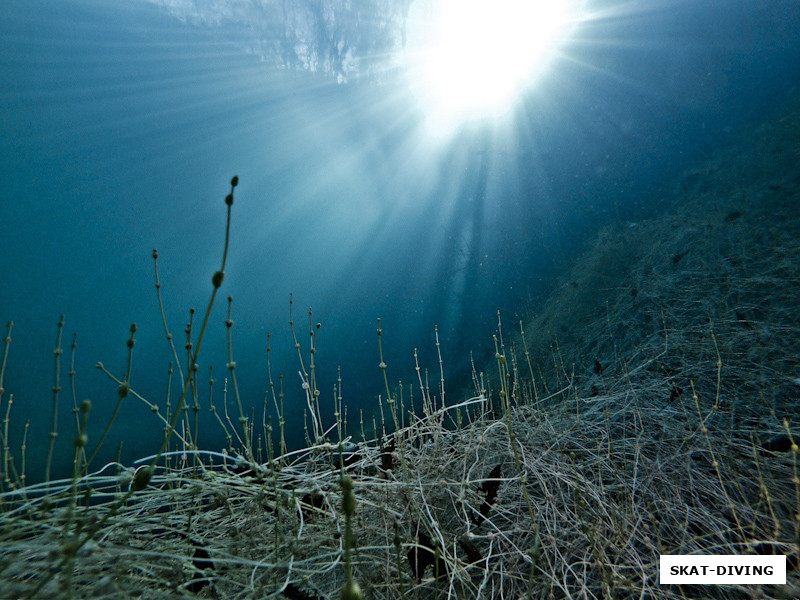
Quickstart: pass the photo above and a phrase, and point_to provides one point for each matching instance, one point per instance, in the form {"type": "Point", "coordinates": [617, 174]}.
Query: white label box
{"type": "Point", "coordinates": [722, 569]}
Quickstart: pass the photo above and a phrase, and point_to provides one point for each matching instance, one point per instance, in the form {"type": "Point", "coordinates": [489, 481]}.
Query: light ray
{"type": "Point", "coordinates": [470, 59]}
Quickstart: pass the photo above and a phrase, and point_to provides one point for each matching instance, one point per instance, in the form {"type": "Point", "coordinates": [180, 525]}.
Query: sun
{"type": "Point", "coordinates": [470, 59]}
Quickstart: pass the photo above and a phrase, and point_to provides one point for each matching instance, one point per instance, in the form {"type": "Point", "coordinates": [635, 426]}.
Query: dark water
{"type": "Point", "coordinates": [122, 127]}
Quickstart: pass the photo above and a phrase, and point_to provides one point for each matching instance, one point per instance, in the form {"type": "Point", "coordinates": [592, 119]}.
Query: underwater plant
{"type": "Point", "coordinates": [547, 477]}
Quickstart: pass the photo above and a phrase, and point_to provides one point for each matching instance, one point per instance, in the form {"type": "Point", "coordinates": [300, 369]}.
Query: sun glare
{"type": "Point", "coordinates": [469, 59]}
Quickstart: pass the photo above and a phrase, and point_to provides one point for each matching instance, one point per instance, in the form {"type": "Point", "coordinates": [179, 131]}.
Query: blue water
{"type": "Point", "coordinates": [122, 126]}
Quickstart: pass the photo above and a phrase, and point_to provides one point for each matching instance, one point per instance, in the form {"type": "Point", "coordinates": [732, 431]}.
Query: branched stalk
{"type": "Point", "coordinates": [143, 474]}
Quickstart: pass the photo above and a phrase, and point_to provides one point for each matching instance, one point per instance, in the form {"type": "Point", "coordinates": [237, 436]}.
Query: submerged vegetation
{"type": "Point", "coordinates": [648, 408]}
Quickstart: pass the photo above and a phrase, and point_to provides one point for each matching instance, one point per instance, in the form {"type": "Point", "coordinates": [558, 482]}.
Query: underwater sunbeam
{"type": "Point", "coordinates": [470, 59]}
